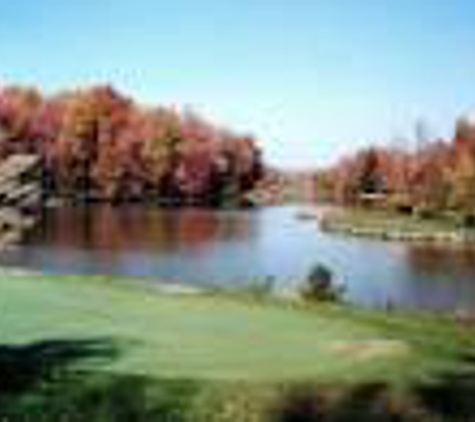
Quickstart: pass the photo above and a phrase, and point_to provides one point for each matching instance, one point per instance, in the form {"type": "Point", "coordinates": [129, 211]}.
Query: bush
{"type": "Point", "coordinates": [427, 213]}
{"type": "Point", "coordinates": [399, 203]}
{"type": "Point", "coordinates": [404, 209]}
{"type": "Point", "coordinates": [319, 285]}
{"type": "Point", "coordinates": [468, 221]}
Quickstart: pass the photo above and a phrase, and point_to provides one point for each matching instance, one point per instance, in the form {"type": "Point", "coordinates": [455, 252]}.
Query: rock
{"type": "Point", "coordinates": [20, 190]}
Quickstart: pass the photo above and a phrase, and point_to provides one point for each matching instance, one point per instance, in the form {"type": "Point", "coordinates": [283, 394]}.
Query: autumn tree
{"type": "Point", "coordinates": [98, 144]}
{"type": "Point", "coordinates": [18, 109]}
{"type": "Point", "coordinates": [430, 178]}
{"type": "Point", "coordinates": [463, 183]}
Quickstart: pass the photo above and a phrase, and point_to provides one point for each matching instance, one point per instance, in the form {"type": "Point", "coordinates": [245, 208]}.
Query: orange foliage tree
{"type": "Point", "coordinates": [98, 144]}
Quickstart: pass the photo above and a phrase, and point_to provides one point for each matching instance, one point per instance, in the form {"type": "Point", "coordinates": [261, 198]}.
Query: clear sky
{"type": "Point", "coordinates": [313, 79]}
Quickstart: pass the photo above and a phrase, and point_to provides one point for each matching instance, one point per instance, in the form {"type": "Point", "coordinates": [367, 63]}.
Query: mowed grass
{"type": "Point", "coordinates": [218, 337]}
{"type": "Point", "coordinates": [386, 224]}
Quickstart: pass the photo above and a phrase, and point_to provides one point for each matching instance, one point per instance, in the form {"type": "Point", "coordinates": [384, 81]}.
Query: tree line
{"type": "Point", "coordinates": [438, 177]}
{"type": "Point", "coordinates": [98, 144]}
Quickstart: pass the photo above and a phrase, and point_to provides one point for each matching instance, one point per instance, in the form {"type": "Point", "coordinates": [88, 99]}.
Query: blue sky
{"type": "Point", "coordinates": [312, 79]}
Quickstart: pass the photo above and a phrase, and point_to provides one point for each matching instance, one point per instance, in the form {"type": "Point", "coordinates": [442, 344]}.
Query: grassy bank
{"type": "Point", "coordinates": [392, 226]}
{"type": "Point", "coordinates": [77, 349]}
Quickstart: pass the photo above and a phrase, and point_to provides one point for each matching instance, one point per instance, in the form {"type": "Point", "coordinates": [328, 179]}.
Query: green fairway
{"type": "Point", "coordinates": [215, 357]}
{"type": "Point", "coordinates": [216, 337]}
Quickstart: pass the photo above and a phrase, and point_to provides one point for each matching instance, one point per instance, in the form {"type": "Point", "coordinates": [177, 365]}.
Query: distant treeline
{"type": "Point", "coordinates": [97, 144]}
{"type": "Point", "coordinates": [437, 176]}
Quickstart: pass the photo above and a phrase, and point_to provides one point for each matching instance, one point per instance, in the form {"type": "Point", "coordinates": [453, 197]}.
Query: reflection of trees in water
{"type": "Point", "coordinates": [137, 228]}
{"type": "Point", "coordinates": [433, 259]}
{"type": "Point", "coordinates": [196, 227]}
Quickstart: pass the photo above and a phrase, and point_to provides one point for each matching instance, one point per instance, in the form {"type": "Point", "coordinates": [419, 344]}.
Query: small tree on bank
{"type": "Point", "coordinates": [319, 285]}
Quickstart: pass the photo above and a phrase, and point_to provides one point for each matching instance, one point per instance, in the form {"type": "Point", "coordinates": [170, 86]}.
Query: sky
{"type": "Point", "coordinates": [313, 80]}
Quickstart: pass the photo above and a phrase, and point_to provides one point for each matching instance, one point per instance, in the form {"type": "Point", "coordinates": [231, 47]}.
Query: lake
{"type": "Point", "coordinates": [232, 248]}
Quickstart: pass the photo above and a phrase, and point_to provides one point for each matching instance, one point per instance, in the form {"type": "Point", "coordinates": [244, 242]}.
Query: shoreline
{"type": "Point", "coordinates": [386, 227]}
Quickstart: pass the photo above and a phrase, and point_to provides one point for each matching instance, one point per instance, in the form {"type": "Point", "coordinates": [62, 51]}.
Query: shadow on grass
{"type": "Point", "coordinates": [22, 367]}
{"type": "Point", "coordinates": [450, 396]}
{"type": "Point", "coordinates": [57, 380]}
{"type": "Point", "coordinates": [48, 381]}
{"type": "Point", "coordinates": [364, 403]}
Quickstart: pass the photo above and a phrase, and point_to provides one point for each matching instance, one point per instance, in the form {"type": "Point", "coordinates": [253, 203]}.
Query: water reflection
{"type": "Point", "coordinates": [206, 247]}
{"type": "Point", "coordinates": [104, 228]}
{"type": "Point", "coordinates": [434, 260]}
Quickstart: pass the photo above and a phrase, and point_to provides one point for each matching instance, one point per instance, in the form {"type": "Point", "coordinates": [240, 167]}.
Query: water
{"type": "Point", "coordinates": [231, 248]}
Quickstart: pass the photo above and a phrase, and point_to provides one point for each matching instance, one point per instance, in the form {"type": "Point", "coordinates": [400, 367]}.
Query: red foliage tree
{"type": "Point", "coordinates": [97, 143]}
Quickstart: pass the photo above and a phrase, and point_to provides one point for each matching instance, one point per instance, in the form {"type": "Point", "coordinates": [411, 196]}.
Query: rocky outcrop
{"type": "Point", "coordinates": [20, 196]}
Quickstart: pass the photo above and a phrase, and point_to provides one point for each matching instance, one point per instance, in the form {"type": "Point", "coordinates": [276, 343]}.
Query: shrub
{"type": "Point", "coordinates": [400, 204]}
{"type": "Point", "coordinates": [319, 285]}
{"type": "Point", "coordinates": [427, 213]}
{"type": "Point", "coordinates": [404, 209]}
{"type": "Point", "coordinates": [468, 221]}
